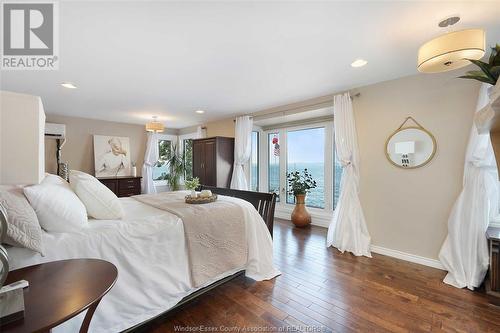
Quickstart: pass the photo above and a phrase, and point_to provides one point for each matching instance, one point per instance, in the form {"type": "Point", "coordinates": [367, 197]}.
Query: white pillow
{"type": "Point", "coordinates": [100, 201]}
{"type": "Point", "coordinates": [56, 205]}
{"type": "Point", "coordinates": [23, 228]}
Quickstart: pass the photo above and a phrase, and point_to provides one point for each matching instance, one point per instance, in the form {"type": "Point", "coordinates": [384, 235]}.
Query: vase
{"type": "Point", "coordinates": [300, 215]}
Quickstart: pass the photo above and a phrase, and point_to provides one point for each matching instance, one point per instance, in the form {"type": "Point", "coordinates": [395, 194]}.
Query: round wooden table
{"type": "Point", "coordinates": [59, 291]}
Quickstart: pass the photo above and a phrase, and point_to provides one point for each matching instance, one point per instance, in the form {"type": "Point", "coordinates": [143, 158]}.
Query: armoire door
{"type": "Point", "coordinates": [198, 160]}
{"type": "Point", "coordinates": [209, 163]}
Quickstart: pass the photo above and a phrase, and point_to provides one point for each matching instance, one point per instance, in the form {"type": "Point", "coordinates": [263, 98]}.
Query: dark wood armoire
{"type": "Point", "coordinates": [213, 161]}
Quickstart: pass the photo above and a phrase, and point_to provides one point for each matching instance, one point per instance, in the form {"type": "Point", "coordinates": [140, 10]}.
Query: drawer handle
{"type": "Point", "coordinates": [130, 186]}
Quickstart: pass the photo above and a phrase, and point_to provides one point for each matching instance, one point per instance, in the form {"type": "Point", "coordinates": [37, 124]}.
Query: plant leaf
{"type": "Point", "coordinates": [478, 78]}
{"type": "Point", "coordinates": [495, 71]}
{"type": "Point", "coordinates": [495, 56]}
{"type": "Point", "coordinates": [476, 73]}
{"type": "Point", "coordinates": [484, 67]}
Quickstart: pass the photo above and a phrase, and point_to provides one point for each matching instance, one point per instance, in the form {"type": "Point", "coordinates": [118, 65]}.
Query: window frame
{"type": "Point", "coordinates": [249, 168]}
{"type": "Point", "coordinates": [181, 138]}
{"type": "Point", "coordinates": [173, 140]}
{"type": "Point", "coordinates": [329, 155]}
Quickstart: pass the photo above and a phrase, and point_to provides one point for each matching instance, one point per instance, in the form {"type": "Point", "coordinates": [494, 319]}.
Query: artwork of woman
{"type": "Point", "coordinates": [112, 156]}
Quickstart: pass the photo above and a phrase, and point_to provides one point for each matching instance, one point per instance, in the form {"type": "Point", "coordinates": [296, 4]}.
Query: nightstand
{"type": "Point", "coordinates": [60, 290]}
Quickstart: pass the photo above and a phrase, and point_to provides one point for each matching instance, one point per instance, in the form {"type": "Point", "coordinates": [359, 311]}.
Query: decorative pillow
{"type": "Point", "coordinates": [100, 201]}
{"type": "Point", "coordinates": [23, 228]}
{"type": "Point", "coordinates": [56, 205]}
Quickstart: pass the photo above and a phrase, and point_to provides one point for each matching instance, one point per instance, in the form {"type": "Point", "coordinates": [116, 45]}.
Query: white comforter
{"type": "Point", "coordinates": [149, 250]}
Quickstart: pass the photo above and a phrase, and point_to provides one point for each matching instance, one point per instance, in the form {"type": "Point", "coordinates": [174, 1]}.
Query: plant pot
{"type": "Point", "coordinates": [300, 215]}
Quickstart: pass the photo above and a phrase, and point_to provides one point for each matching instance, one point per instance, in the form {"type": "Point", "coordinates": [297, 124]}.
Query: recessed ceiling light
{"type": "Point", "coordinates": [359, 63]}
{"type": "Point", "coordinates": [200, 111]}
{"type": "Point", "coordinates": [68, 85]}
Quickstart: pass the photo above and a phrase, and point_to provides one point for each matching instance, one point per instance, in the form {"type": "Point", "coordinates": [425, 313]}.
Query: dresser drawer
{"type": "Point", "coordinates": [128, 184]}
{"type": "Point", "coordinates": [129, 193]}
{"type": "Point", "coordinates": [111, 184]}
{"type": "Point", "coordinates": [123, 186]}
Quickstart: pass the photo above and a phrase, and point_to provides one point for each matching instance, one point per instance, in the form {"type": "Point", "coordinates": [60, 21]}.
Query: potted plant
{"type": "Point", "coordinates": [300, 184]}
{"type": "Point", "coordinates": [489, 71]}
{"type": "Point", "coordinates": [192, 185]}
{"type": "Point", "coordinates": [176, 166]}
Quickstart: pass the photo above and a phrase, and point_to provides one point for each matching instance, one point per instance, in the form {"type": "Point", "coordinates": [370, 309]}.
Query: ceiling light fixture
{"type": "Point", "coordinates": [359, 63]}
{"type": "Point", "coordinates": [451, 51]}
{"type": "Point", "coordinates": [155, 126]}
{"type": "Point", "coordinates": [200, 111]}
{"type": "Point", "coordinates": [68, 85]}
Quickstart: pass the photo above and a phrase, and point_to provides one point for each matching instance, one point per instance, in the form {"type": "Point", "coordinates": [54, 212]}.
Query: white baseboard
{"type": "Point", "coordinates": [324, 221]}
{"type": "Point", "coordinates": [407, 256]}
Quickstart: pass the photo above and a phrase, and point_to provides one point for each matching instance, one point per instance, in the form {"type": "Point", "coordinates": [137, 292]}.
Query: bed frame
{"type": "Point", "coordinates": [264, 203]}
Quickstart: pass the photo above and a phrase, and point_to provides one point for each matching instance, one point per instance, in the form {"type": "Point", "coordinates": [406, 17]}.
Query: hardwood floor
{"type": "Point", "coordinates": [321, 290]}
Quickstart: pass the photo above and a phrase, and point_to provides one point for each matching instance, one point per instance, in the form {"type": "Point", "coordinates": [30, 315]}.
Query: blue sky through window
{"type": "Point", "coordinates": [306, 146]}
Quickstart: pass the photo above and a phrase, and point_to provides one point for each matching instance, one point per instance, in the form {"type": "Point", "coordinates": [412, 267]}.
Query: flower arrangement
{"type": "Point", "coordinates": [489, 71]}
{"type": "Point", "coordinates": [192, 184]}
{"type": "Point", "coordinates": [300, 183]}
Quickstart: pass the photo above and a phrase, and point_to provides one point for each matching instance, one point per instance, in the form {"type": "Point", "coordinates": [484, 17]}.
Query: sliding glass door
{"type": "Point", "coordinates": [299, 148]}
{"type": "Point", "coordinates": [306, 151]}
{"type": "Point", "coordinates": [273, 169]}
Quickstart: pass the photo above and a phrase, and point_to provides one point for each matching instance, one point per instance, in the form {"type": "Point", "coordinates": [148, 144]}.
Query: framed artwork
{"type": "Point", "coordinates": [111, 156]}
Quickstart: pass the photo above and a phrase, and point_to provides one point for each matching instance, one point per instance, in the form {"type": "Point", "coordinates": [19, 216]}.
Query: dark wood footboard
{"type": "Point", "coordinates": [264, 203]}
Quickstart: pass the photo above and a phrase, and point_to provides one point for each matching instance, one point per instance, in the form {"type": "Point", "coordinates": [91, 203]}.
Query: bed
{"type": "Point", "coordinates": [148, 246]}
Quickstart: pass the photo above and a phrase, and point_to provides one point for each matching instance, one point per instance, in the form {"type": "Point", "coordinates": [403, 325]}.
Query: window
{"type": "Point", "coordinates": [274, 164]}
{"type": "Point", "coordinates": [306, 150]}
{"type": "Point", "coordinates": [254, 163]}
{"type": "Point", "coordinates": [187, 145]}
{"type": "Point", "coordinates": [300, 147]}
{"type": "Point", "coordinates": [160, 171]}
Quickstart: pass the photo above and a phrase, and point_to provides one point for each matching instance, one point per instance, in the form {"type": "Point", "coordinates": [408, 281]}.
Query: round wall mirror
{"type": "Point", "coordinates": [410, 147]}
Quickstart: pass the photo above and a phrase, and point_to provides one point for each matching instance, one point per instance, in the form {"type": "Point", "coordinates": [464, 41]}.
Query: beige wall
{"type": "Point", "coordinates": [79, 150]}
{"type": "Point", "coordinates": [223, 127]}
{"type": "Point", "coordinates": [407, 210]}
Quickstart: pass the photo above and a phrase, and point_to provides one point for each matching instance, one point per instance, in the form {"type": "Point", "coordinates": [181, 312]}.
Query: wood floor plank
{"type": "Point", "coordinates": [322, 290]}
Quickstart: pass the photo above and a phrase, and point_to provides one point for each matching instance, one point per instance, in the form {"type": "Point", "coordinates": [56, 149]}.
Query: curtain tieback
{"type": "Point", "coordinates": [345, 163]}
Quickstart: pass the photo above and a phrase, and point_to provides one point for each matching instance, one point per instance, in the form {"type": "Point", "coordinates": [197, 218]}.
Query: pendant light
{"type": "Point", "coordinates": [451, 50]}
{"type": "Point", "coordinates": [155, 126]}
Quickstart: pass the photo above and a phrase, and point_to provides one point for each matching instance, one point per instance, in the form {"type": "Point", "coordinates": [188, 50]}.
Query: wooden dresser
{"type": "Point", "coordinates": [213, 161]}
{"type": "Point", "coordinates": [493, 281]}
{"type": "Point", "coordinates": [123, 186]}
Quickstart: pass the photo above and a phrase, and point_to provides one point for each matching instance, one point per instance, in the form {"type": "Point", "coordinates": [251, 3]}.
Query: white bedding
{"type": "Point", "coordinates": [149, 250]}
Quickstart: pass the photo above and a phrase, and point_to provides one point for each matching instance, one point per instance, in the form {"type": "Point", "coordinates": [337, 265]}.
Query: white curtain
{"type": "Point", "coordinates": [150, 159]}
{"type": "Point", "coordinates": [464, 253]}
{"type": "Point", "coordinates": [242, 151]}
{"type": "Point", "coordinates": [347, 230]}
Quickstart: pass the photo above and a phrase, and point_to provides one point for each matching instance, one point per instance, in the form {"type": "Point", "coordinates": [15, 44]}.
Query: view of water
{"type": "Point", "coordinates": [316, 198]}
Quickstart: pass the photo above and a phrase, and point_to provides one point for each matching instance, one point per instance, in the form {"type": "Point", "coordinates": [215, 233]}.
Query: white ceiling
{"type": "Point", "coordinates": [132, 60]}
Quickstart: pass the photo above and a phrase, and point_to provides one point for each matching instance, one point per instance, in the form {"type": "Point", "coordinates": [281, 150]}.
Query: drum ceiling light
{"type": "Point", "coordinates": [451, 51]}
{"type": "Point", "coordinates": [155, 126]}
